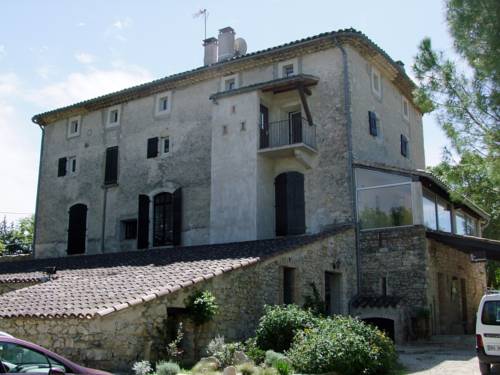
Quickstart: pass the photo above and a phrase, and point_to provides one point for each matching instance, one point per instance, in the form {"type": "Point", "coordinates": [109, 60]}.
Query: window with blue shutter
{"type": "Point", "coordinates": [404, 146]}
{"type": "Point", "coordinates": [372, 121]}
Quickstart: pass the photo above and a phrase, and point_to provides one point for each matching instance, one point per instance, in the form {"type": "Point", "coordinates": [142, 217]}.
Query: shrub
{"type": "Point", "coordinates": [142, 368]}
{"type": "Point", "coordinates": [201, 307]}
{"type": "Point", "coordinates": [344, 345]}
{"type": "Point", "coordinates": [314, 302]}
{"type": "Point", "coordinates": [223, 351]}
{"type": "Point", "coordinates": [272, 358]}
{"type": "Point", "coordinates": [279, 324]}
{"type": "Point", "coordinates": [253, 352]}
{"type": "Point", "coordinates": [247, 369]}
{"type": "Point", "coordinates": [283, 367]}
{"type": "Point", "coordinates": [167, 368]}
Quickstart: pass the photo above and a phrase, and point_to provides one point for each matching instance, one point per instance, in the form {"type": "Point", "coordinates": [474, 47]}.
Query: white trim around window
{"type": "Point", "coordinates": [376, 82]}
{"type": "Point", "coordinates": [72, 166]}
{"type": "Point", "coordinates": [74, 126]}
{"type": "Point", "coordinates": [230, 82]}
{"type": "Point", "coordinates": [283, 66]}
{"type": "Point", "coordinates": [163, 103]}
{"type": "Point", "coordinates": [405, 108]}
{"type": "Point", "coordinates": [113, 116]}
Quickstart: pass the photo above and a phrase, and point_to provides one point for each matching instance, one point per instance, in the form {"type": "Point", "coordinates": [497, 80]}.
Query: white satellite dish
{"type": "Point", "coordinates": [240, 47]}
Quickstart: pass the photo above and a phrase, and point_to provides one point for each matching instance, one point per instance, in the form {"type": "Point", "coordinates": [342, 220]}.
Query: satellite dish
{"type": "Point", "coordinates": [240, 46]}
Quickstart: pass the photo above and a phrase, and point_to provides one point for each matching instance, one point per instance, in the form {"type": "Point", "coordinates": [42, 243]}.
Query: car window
{"type": "Point", "coordinates": [19, 359]}
{"type": "Point", "coordinates": [491, 313]}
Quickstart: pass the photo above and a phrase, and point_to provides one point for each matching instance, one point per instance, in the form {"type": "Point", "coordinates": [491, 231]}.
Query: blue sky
{"type": "Point", "coordinates": [54, 53]}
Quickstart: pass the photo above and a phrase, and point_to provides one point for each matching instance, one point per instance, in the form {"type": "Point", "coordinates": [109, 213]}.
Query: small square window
{"type": "Point", "coordinates": [165, 145]}
{"type": "Point", "coordinates": [406, 110]}
{"type": "Point", "coordinates": [129, 228]}
{"type": "Point", "coordinates": [288, 70]}
{"type": "Point", "coordinates": [230, 84]}
{"type": "Point", "coordinates": [164, 104]}
{"type": "Point", "coordinates": [113, 116]}
{"type": "Point", "coordinates": [72, 167]}
{"type": "Point", "coordinates": [74, 127]}
{"type": "Point", "coordinates": [376, 82]}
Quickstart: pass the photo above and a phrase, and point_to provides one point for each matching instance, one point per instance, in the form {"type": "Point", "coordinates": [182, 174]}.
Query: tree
{"type": "Point", "coordinates": [465, 96]}
{"type": "Point", "coordinates": [17, 237]}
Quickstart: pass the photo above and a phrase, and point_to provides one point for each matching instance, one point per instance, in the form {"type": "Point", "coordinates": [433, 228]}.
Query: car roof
{"type": "Point", "coordinates": [5, 334]}
{"type": "Point", "coordinates": [492, 297]}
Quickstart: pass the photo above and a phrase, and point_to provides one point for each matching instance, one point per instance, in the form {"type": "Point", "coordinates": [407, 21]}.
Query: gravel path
{"type": "Point", "coordinates": [440, 360]}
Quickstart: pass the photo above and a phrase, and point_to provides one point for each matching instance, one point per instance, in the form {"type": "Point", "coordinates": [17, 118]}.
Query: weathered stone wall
{"type": "Point", "coordinates": [115, 341]}
{"type": "Point", "coordinates": [448, 269]}
{"type": "Point", "coordinates": [9, 287]}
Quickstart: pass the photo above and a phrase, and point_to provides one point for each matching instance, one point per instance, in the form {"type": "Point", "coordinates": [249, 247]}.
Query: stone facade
{"type": "Point", "coordinates": [115, 341]}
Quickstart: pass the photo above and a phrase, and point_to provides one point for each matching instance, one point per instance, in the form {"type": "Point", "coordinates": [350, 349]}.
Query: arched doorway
{"type": "Point", "coordinates": [289, 203]}
{"type": "Point", "coordinates": [384, 324]}
{"type": "Point", "coordinates": [77, 229]}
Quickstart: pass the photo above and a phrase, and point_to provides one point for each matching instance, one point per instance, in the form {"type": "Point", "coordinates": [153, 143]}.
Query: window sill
{"type": "Point", "coordinates": [107, 186]}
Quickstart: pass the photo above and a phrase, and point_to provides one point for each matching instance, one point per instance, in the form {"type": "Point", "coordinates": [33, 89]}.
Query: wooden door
{"type": "Point", "coordinates": [295, 124]}
{"type": "Point", "coordinates": [289, 204]}
{"type": "Point", "coordinates": [77, 229]}
{"type": "Point", "coordinates": [264, 126]}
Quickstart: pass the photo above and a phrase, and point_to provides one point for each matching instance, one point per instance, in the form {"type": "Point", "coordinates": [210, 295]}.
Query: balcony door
{"type": "Point", "coordinates": [289, 204]}
{"type": "Point", "coordinates": [264, 126]}
{"type": "Point", "coordinates": [295, 127]}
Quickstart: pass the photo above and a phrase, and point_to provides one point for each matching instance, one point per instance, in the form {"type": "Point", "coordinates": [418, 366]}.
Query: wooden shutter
{"type": "Point", "coordinates": [61, 167]}
{"type": "Point", "coordinates": [296, 223]}
{"type": "Point", "coordinates": [143, 222]}
{"type": "Point", "coordinates": [111, 171]}
{"type": "Point", "coordinates": [152, 147]}
{"type": "Point", "coordinates": [404, 146]}
{"type": "Point", "coordinates": [372, 120]}
{"type": "Point", "coordinates": [280, 204]}
{"type": "Point", "coordinates": [177, 217]}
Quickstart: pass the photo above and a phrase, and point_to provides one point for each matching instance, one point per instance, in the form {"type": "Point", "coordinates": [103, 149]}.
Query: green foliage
{"type": "Point", "coordinates": [247, 369]}
{"type": "Point", "coordinates": [253, 352]}
{"type": "Point", "coordinates": [16, 238]}
{"type": "Point", "coordinates": [279, 324]}
{"type": "Point", "coordinates": [223, 351]}
{"type": "Point", "coordinates": [202, 307]}
{"type": "Point", "coordinates": [314, 302]}
{"type": "Point", "coordinates": [167, 368]}
{"type": "Point", "coordinates": [344, 345]}
{"type": "Point", "coordinates": [273, 357]}
{"type": "Point", "coordinates": [284, 367]}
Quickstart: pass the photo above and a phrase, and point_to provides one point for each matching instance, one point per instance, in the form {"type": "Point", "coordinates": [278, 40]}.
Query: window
{"type": "Point", "coordinates": [376, 83]}
{"type": "Point", "coordinates": [113, 116]}
{"type": "Point", "coordinates": [465, 224]}
{"type": "Point", "coordinates": [72, 165]}
{"type": "Point", "coordinates": [288, 285]}
{"type": "Point", "coordinates": [162, 219]}
{"type": "Point", "coordinates": [404, 146]}
{"type": "Point", "coordinates": [288, 68]}
{"type": "Point", "coordinates": [443, 215]}
{"type": "Point", "coordinates": [165, 145]}
{"type": "Point", "coordinates": [111, 166]}
{"type": "Point", "coordinates": [230, 82]}
{"type": "Point", "coordinates": [152, 150]}
{"type": "Point", "coordinates": [163, 103]}
{"type": "Point", "coordinates": [406, 109]}
{"type": "Point", "coordinates": [372, 122]}
{"type": "Point", "coordinates": [129, 228]}
{"type": "Point", "coordinates": [61, 167]}
{"type": "Point", "coordinates": [74, 127]}
{"type": "Point", "coordinates": [491, 313]}
{"type": "Point", "coordinates": [429, 210]}
{"type": "Point", "coordinates": [19, 359]}
{"type": "Point", "coordinates": [384, 199]}
{"type": "Point", "coordinates": [437, 212]}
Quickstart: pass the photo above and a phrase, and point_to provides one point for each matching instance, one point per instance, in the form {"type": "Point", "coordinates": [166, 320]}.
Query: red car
{"type": "Point", "coordinates": [20, 357]}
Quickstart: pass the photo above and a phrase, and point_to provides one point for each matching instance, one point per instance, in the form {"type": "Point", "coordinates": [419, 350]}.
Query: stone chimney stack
{"type": "Point", "coordinates": [226, 43]}
{"type": "Point", "coordinates": [210, 45]}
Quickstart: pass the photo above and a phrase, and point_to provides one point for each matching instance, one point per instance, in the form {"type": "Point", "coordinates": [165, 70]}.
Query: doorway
{"type": "Point", "coordinates": [77, 229]}
{"type": "Point", "coordinates": [289, 204]}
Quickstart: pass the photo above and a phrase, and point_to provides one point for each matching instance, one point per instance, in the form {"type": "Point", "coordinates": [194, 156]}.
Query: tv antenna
{"type": "Point", "coordinates": [204, 13]}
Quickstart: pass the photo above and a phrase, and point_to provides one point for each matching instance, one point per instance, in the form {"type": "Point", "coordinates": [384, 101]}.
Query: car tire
{"type": "Point", "coordinates": [484, 368]}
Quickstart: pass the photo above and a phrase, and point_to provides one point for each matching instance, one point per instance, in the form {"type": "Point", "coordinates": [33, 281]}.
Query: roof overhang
{"type": "Point", "coordinates": [478, 247]}
{"type": "Point", "coordinates": [275, 86]}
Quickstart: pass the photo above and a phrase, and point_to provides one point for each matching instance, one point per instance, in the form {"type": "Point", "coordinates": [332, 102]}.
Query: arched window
{"type": "Point", "coordinates": [77, 229]}
{"type": "Point", "coordinates": [163, 219]}
{"type": "Point", "coordinates": [289, 203]}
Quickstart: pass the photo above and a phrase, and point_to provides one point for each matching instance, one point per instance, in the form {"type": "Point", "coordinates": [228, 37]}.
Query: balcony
{"type": "Point", "coordinates": [287, 137]}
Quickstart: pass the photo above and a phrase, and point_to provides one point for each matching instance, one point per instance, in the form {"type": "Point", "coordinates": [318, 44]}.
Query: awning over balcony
{"type": "Point", "coordinates": [482, 248]}
{"type": "Point", "coordinates": [275, 86]}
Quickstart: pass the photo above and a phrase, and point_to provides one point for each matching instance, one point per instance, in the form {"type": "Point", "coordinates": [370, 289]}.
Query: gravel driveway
{"type": "Point", "coordinates": [440, 358]}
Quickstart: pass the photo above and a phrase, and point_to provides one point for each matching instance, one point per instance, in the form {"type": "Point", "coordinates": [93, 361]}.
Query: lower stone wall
{"type": "Point", "coordinates": [456, 286]}
{"type": "Point", "coordinates": [115, 341]}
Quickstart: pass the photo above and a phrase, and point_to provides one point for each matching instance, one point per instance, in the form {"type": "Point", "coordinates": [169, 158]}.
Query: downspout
{"type": "Point", "coordinates": [103, 224]}
{"type": "Point", "coordinates": [350, 168]}
{"type": "Point", "coordinates": [37, 199]}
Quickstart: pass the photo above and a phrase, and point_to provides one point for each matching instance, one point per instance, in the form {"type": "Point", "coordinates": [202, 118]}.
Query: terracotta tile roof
{"type": "Point", "coordinates": [97, 285]}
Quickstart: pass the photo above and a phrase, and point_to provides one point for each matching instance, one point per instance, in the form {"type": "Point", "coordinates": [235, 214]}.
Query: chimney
{"type": "Point", "coordinates": [226, 43]}
{"type": "Point", "coordinates": [210, 45]}
{"type": "Point", "coordinates": [401, 64]}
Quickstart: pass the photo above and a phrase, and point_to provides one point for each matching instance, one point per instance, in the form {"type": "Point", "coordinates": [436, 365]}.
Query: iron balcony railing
{"type": "Point", "coordinates": [287, 132]}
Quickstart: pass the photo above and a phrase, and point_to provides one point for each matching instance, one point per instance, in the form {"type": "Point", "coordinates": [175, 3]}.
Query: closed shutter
{"type": "Point", "coordinates": [177, 217]}
{"type": "Point", "coordinates": [61, 167]}
{"type": "Point", "coordinates": [404, 146]}
{"type": "Point", "coordinates": [280, 200]}
{"type": "Point", "coordinates": [111, 171]}
{"type": "Point", "coordinates": [296, 223]}
{"type": "Point", "coordinates": [143, 222]}
{"type": "Point", "coordinates": [372, 120]}
{"type": "Point", "coordinates": [152, 147]}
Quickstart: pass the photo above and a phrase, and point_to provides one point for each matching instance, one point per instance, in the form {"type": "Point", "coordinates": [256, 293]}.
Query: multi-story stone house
{"type": "Point", "coordinates": [303, 163]}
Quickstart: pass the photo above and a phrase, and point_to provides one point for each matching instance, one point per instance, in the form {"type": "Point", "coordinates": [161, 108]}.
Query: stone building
{"type": "Point", "coordinates": [252, 176]}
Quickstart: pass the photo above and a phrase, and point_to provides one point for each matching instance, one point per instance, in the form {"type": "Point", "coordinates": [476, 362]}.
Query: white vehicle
{"type": "Point", "coordinates": [488, 332]}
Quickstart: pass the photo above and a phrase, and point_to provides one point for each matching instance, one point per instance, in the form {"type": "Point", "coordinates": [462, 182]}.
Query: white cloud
{"type": "Point", "coordinates": [117, 28]}
{"type": "Point", "coordinates": [3, 51]}
{"type": "Point", "coordinates": [123, 23]}
{"type": "Point", "coordinates": [81, 24]}
{"type": "Point", "coordinates": [9, 84]}
{"type": "Point", "coordinates": [84, 57]}
{"type": "Point", "coordinates": [79, 86]}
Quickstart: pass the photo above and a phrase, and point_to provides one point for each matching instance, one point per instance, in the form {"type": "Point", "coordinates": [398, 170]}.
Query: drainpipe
{"type": "Point", "coordinates": [350, 169]}
{"type": "Point", "coordinates": [37, 199]}
{"type": "Point", "coordinates": [103, 224]}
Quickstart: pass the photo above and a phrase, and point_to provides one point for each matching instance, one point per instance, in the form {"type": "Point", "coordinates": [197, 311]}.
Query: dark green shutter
{"type": "Point", "coordinates": [152, 147]}
{"type": "Point", "coordinates": [404, 146]}
{"type": "Point", "coordinates": [61, 167]}
{"type": "Point", "coordinates": [177, 217]}
{"type": "Point", "coordinates": [111, 169]}
{"type": "Point", "coordinates": [143, 222]}
{"type": "Point", "coordinates": [372, 121]}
